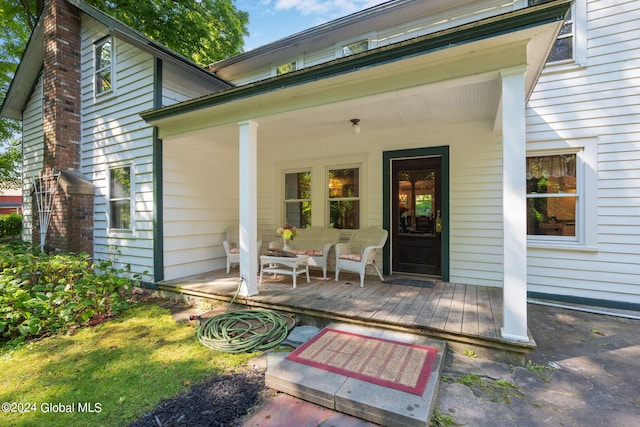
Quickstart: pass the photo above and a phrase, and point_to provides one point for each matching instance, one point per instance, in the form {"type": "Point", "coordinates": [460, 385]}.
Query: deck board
{"type": "Point", "coordinates": [407, 297]}
{"type": "Point", "coordinates": [412, 314]}
{"type": "Point", "coordinates": [486, 324]}
{"type": "Point", "coordinates": [441, 312]}
{"type": "Point", "coordinates": [467, 313]}
{"type": "Point", "coordinates": [360, 298]}
{"type": "Point", "coordinates": [429, 308]}
{"type": "Point", "coordinates": [470, 320]}
{"type": "Point", "coordinates": [386, 311]}
{"type": "Point", "coordinates": [369, 307]}
{"type": "Point", "coordinates": [495, 299]}
{"type": "Point", "coordinates": [456, 310]}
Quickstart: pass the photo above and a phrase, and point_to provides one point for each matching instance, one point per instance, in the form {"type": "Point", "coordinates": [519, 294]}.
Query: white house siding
{"type": "Point", "coordinates": [172, 94]}
{"type": "Point", "coordinates": [32, 155]}
{"type": "Point", "coordinates": [200, 202]}
{"type": "Point", "coordinates": [319, 56]}
{"type": "Point", "coordinates": [179, 85]}
{"type": "Point", "coordinates": [476, 209]}
{"type": "Point", "coordinates": [113, 134]}
{"type": "Point", "coordinates": [264, 72]}
{"type": "Point", "coordinates": [475, 193]}
{"type": "Point", "coordinates": [378, 37]}
{"type": "Point", "coordinates": [598, 101]}
{"type": "Point", "coordinates": [445, 19]}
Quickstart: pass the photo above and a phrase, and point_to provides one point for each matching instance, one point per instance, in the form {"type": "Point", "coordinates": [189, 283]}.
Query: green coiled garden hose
{"type": "Point", "coordinates": [244, 330]}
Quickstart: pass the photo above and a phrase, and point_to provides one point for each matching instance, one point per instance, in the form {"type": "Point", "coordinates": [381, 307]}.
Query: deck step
{"type": "Point", "coordinates": [370, 402]}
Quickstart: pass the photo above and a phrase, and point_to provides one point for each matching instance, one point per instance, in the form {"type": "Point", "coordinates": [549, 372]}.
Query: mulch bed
{"type": "Point", "coordinates": [219, 401]}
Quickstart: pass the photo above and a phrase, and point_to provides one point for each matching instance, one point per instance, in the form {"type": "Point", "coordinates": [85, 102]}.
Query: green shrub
{"type": "Point", "coordinates": [10, 225]}
{"type": "Point", "coordinates": [44, 293]}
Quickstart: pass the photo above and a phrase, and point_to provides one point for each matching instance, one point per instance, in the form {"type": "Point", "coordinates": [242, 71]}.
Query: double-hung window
{"type": "Point", "coordinates": [103, 65]}
{"type": "Point", "coordinates": [570, 46]}
{"type": "Point", "coordinates": [297, 199]}
{"type": "Point", "coordinates": [120, 198]}
{"type": "Point", "coordinates": [344, 197]}
{"type": "Point", "coordinates": [553, 196]}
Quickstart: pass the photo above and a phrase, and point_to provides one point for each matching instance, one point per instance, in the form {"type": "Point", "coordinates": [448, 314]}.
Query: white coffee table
{"type": "Point", "coordinates": [289, 266]}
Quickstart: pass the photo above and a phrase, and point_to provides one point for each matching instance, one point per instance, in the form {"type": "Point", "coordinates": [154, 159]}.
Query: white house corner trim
{"type": "Point", "coordinates": [514, 205]}
{"type": "Point", "coordinates": [248, 205]}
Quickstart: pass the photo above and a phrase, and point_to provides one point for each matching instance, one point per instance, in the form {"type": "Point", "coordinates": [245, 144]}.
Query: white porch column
{"type": "Point", "coordinates": [248, 181]}
{"type": "Point", "coordinates": [514, 204]}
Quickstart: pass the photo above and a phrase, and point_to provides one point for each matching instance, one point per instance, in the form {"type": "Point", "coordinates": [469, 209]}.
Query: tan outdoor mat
{"type": "Point", "coordinates": [397, 365]}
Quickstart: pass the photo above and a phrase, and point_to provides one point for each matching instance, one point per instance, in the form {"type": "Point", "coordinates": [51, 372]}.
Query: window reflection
{"type": "Point", "coordinates": [552, 197]}
{"type": "Point", "coordinates": [297, 203]}
{"type": "Point", "coordinates": [416, 194]}
{"type": "Point", "coordinates": [344, 198]}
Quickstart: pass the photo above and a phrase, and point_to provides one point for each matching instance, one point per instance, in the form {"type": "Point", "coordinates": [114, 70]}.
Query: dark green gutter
{"type": "Point", "coordinates": [486, 28]}
{"type": "Point", "coordinates": [158, 190]}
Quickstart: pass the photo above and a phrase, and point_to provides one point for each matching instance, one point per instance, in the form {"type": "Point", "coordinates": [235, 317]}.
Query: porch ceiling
{"type": "Point", "coordinates": [467, 101]}
{"type": "Point", "coordinates": [388, 112]}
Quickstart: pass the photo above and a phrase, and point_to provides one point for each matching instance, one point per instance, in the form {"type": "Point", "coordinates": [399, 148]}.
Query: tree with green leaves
{"type": "Point", "coordinates": [204, 31]}
{"type": "Point", "coordinates": [19, 18]}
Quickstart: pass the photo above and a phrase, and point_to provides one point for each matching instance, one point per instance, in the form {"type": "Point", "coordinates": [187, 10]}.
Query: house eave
{"type": "Point", "coordinates": [25, 76]}
{"type": "Point", "coordinates": [511, 22]}
{"type": "Point", "coordinates": [396, 11]}
{"type": "Point", "coordinates": [141, 41]}
{"type": "Point", "coordinates": [32, 59]}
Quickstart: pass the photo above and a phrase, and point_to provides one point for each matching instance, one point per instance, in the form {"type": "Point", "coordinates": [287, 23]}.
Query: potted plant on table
{"type": "Point", "coordinates": [288, 233]}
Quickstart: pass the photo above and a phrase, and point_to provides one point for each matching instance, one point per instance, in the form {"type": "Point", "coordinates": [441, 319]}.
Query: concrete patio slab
{"type": "Point", "coordinates": [371, 402]}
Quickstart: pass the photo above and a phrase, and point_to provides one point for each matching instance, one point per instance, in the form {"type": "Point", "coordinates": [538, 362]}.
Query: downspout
{"type": "Point", "coordinates": [158, 207]}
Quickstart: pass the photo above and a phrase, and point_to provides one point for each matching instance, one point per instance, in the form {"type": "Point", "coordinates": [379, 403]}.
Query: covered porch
{"type": "Point", "coordinates": [467, 317]}
{"type": "Point", "coordinates": [458, 95]}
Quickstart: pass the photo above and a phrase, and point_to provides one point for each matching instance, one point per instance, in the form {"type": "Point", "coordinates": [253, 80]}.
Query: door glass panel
{"type": "Point", "coordinates": [415, 235]}
{"type": "Point", "coordinates": [416, 198]}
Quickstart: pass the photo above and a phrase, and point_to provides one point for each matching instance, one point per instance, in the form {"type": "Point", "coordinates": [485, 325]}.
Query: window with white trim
{"type": "Point", "coordinates": [344, 197]}
{"type": "Point", "coordinates": [120, 198]}
{"type": "Point", "coordinates": [553, 196]}
{"type": "Point", "coordinates": [297, 199]}
{"type": "Point", "coordinates": [570, 46]}
{"type": "Point", "coordinates": [103, 65]}
{"type": "Point", "coordinates": [355, 47]}
{"type": "Point", "coordinates": [286, 68]}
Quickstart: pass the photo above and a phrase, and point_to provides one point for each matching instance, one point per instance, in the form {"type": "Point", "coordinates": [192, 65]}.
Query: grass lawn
{"type": "Point", "coordinates": [106, 375]}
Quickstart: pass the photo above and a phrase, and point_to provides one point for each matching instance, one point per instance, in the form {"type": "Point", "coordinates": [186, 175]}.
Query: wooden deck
{"type": "Point", "coordinates": [467, 317]}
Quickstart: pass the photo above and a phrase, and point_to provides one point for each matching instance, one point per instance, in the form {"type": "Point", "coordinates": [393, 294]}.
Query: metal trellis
{"type": "Point", "coordinates": [45, 188]}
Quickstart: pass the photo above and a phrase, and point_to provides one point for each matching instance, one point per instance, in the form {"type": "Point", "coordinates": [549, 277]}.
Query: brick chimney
{"type": "Point", "coordinates": [71, 226]}
{"type": "Point", "coordinates": [61, 81]}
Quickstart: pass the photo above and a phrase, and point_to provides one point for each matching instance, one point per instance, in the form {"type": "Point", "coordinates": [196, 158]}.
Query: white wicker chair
{"type": "Point", "coordinates": [231, 245]}
{"type": "Point", "coordinates": [360, 251]}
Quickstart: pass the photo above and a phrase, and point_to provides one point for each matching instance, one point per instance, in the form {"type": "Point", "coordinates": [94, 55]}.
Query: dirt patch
{"type": "Point", "coordinates": [219, 401]}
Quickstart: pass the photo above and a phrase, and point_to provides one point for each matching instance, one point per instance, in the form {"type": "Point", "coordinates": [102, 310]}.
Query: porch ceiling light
{"type": "Point", "coordinates": [355, 127]}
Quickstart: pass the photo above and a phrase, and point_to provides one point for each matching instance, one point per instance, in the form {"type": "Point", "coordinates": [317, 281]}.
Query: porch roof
{"type": "Point", "coordinates": [472, 53]}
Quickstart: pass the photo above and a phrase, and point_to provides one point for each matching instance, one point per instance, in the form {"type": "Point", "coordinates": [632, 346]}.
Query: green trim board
{"type": "Point", "coordinates": [593, 302]}
{"type": "Point", "coordinates": [387, 157]}
{"type": "Point", "coordinates": [517, 20]}
{"type": "Point", "coordinates": [158, 208]}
